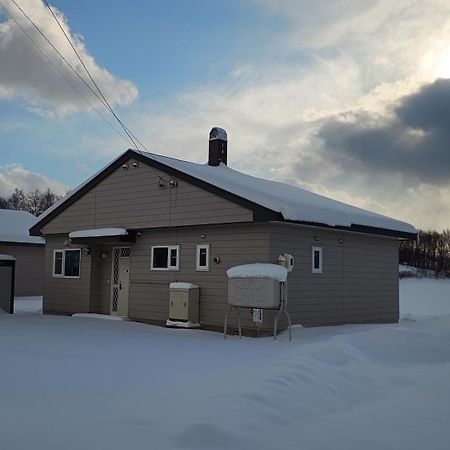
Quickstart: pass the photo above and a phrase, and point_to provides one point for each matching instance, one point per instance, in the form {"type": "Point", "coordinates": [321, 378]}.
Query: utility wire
{"type": "Point", "coordinates": [107, 104]}
{"type": "Point", "coordinates": [103, 100]}
{"type": "Point", "coordinates": [62, 74]}
{"type": "Point", "coordinates": [71, 67]}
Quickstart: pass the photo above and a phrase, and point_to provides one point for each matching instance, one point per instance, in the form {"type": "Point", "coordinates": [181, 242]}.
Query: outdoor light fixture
{"type": "Point", "coordinates": [202, 236]}
{"type": "Point", "coordinates": [86, 251]}
{"type": "Point", "coordinates": [173, 183]}
{"type": "Point", "coordinates": [341, 241]}
{"type": "Point", "coordinates": [135, 165]}
{"type": "Point", "coordinates": [216, 259]}
{"type": "Point", "coordinates": [104, 255]}
{"type": "Point", "coordinates": [125, 166]}
{"type": "Point", "coordinates": [316, 238]}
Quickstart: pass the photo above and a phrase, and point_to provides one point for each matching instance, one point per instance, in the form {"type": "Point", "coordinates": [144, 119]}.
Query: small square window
{"type": "Point", "coordinates": [202, 258]}
{"type": "Point", "coordinates": [66, 263]}
{"type": "Point", "coordinates": [165, 257]}
{"type": "Point", "coordinates": [316, 260]}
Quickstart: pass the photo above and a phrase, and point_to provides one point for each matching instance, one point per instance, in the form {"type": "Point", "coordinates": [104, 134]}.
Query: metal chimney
{"type": "Point", "coordinates": [217, 146]}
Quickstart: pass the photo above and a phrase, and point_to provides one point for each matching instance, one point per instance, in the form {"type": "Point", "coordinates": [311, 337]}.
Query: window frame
{"type": "Point", "coordinates": [63, 263]}
{"type": "Point", "coordinates": [314, 269]}
{"type": "Point", "coordinates": [169, 267]}
{"type": "Point", "coordinates": [198, 248]}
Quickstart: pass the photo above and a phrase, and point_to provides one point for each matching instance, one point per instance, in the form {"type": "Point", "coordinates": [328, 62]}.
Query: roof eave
{"type": "Point", "coordinates": [361, 229]}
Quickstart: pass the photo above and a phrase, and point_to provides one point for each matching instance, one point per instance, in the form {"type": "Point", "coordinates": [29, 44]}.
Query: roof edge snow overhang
{"type": "Point", "coordinates": [360, 229]}
{"type": "Point", "coordinates": [260, 213]}
{"type": "Point", "coordinates": [130, 236]}
{"type": "Point", "coordinates": [22, 244]}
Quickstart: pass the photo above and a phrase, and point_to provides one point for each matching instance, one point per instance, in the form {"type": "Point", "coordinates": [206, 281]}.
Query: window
{"type": "Point", "coordinates": [66, 263]}
{"type": "Point", "coordinates": [316, 260]}
{"type": "Point", "coordinates": [165, 257]}
{"type": "Point", "coordinates": [202, 257]}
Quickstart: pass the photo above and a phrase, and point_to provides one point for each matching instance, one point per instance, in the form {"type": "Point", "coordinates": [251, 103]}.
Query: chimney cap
{"type": "Point", "coordinates": [218, 133]}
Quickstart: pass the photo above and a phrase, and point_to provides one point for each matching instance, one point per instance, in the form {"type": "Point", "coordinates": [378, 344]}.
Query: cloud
{"type": "Point", "coordinates": [16, 176]}
{"type": "Point", "coordinates": [412, 142]}
{"type": "Point", "coordinates": [27, 75]}
{"type": "Point", "coordinates": [341, 71]}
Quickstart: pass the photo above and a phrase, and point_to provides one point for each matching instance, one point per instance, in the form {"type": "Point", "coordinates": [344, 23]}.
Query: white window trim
{"type": "Point", "coordinates": [63, 251]}
{"type": "Point", "coordinates": [199, 268]}
{"type": "Point", "coordinates": [320, 268]}
{"type": "Point", "coordinates": [169, 248]}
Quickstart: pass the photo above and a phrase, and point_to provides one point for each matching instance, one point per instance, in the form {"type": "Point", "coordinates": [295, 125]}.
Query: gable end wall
{"type": "Point", "coordinates": [133, 199]}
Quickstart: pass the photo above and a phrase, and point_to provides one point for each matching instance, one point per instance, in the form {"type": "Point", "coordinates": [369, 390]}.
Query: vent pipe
{"type": "Point", "coordinates": [217, 146]}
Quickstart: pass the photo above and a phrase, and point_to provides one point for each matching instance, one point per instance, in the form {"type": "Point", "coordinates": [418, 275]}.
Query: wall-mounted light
{"type": "Point", "coordinates": [104, 255]}
{"type": "Point", "coordinates": [216, 259]}
{"type": "Point", "coordinates": [162, 183]}
{"type": "Point", "coordinates": [173, 182]}
{"type": "Point", "coordinates": [86, 251]}
{"type": "Point", "coordinates": [125, 166]}
{"type": "Point", "coordinates": [317, 238]}
{"type": "Point", "coordinates": [135, 164]}
{"type": "Point", "coordinates": [139, 234]}
{"type": "Point", "coordinates": [341, 241]}
{"type": "Point", "coordinates": [202, 236]}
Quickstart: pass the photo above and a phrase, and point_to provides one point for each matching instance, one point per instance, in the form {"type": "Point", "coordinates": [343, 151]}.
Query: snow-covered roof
{"type": "Point", "coordinates": [258, 270]}
{"type": "Point", "coordinates": [98, 232]}
{"type": "Point", "coordinates": [293, 203]}
{"type": "Point", "coordinates": [7, 258]}
{"type": "Point", "coordinates": [14, 226]}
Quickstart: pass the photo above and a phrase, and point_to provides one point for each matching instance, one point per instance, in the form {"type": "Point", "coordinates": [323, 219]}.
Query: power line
{"type": "Point", "coordinates": [61, 73]}
{"type": "Point", "coordinates": [103, 100]}
{"type": "Point", "coordinates": [71, 67]}
{"type": "Point", "coordinates": [131, 135]}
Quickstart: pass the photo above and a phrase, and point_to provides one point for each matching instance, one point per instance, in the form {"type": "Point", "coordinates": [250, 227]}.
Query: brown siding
{"type": "Point", "coordinates": [359, 282]}
{"type": "Point", "coordinates": [133, 199]}
{"type": "Point", "coordinates": [65, 295]}
{"type": "Point", "coordinates": [149, 293]}
{"type": "Point", "coordinates": [29, 268]}
{"type": "Point", "coordinates": [370, 279]}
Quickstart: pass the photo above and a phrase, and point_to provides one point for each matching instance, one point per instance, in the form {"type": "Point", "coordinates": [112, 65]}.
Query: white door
{"type": "Point", "coordinates": [120, 281]}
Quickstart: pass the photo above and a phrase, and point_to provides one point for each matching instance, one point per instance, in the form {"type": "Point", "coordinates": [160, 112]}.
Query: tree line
{"type": "Point", "coordinates": [431, 251]}
{"type": "Point", "coordinates": [35, 202]}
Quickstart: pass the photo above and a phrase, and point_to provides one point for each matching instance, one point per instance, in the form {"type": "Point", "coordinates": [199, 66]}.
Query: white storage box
{"type": "Point", "coordinates": [183, 303]}
{"type": "Point", "coordinates": [254, 292]}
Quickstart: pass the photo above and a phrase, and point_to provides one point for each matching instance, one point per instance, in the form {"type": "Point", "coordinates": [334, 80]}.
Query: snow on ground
{"type": "Point", "coordinates": [426, 297]}
{"type": "Point", "coordinates": [415, 271]}
{"type": "Point", "coordinates": [28, 305]}
{"type": "Point", "coordinates": [78, 383]}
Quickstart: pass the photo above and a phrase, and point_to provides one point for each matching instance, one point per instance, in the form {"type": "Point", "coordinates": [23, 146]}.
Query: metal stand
{"type": "Point", "coordinates": [282, 309]}
{"type": "Point", "coordinates": [230, 308]}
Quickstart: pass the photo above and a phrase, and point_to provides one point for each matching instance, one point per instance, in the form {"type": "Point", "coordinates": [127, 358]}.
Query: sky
{"type": "Point", "coordinates": [346, 98]}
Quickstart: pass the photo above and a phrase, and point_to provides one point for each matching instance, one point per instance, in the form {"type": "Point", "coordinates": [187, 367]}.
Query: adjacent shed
{"type": "Point", "coordinates": [28, 251]}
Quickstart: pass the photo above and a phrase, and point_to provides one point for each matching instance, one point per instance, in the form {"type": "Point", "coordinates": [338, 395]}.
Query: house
{"type": "Point", "coordinates": [28, 251]}
{"type": "Point", "coordinates": [117, 241]}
